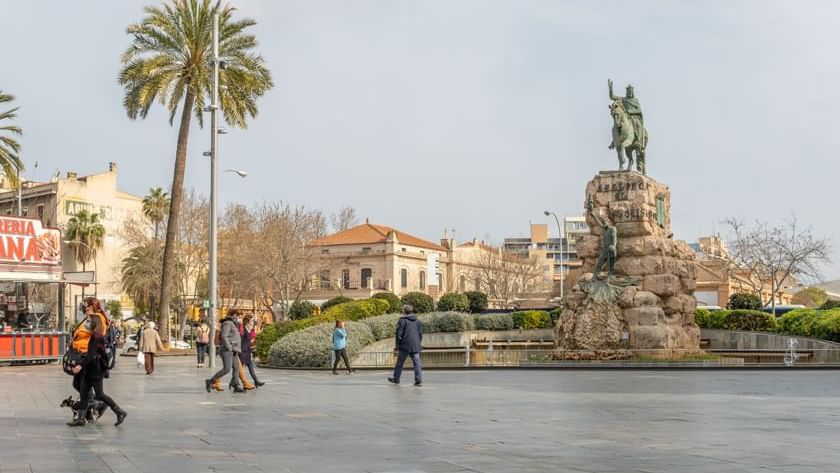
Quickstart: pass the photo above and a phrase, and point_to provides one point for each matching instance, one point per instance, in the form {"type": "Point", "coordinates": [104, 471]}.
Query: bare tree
{"type": "Point", "coordinates": [284, 264]}
{"type": "Point", "coordinates": [344, 219]}
{"type": "Point", "coordinates": [505, 277]}
{"type": "Point", "coordinates": [239, 245]}
{"type": "Point", "coordinates": [192, 253]}
{"type": "Point", "coordinates": [772, 254]}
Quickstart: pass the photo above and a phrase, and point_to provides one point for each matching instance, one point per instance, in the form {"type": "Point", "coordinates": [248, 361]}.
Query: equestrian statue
{"type": "Point", "coordinates": [628, 132]}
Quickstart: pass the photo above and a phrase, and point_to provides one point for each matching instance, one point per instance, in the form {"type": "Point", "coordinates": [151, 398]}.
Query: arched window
{"type": "Point", "coordinates": [422, 280]}
{"type": "Point", "coordinates": [403, 277]}
{"type": "Point", "coordinates": [367, 273]}
{"type": "Point", "coordinates": [462, 284]}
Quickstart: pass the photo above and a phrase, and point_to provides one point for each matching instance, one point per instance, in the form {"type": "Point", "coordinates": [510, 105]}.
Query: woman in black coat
{"type": "Point", "coordinates": [92, 368]}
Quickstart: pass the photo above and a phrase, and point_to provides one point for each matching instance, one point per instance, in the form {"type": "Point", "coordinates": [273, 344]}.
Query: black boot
{"type": "Point", "coordinates": [121, 415]}
{"type": "Point", "coordinates": [237, 388]}
{"type": "Point", "coordinates": [258, 383]}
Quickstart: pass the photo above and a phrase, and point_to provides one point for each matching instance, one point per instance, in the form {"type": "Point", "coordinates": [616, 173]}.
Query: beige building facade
{"type": "Point", "coordinates": [55, 202]}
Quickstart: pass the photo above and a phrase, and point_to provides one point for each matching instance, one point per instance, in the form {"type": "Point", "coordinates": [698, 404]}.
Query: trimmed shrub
{"type": "Point", "coordinates": [478, 301]}
{"type": "Point", "coordinates": [445, 322]}
{"type": "Point", "coordinates": [301, 310]}
{"type": "Point", "coordinates": [752, 320]}
{"type": "Point", "coordinates": [267, 336]}
{"type": "Point", "coordinates": [335, 301]}
{"type": "Point", "coordinates": [312, 347]}
{"type": "Point", "coordinates": [828, 305]}
{"type": "Point", "coordinates": [494, 322]}
{"type": "Point", "coordinates": [453, 301]}
{"type": "Point", "coordinates": [824, 324]}
{"type": "Point", "coordinates": [422, 303]}
{"type": "Point", "coordinates": [530, 319]}
{"type": "Point", "coordinates": [555, 314]}
{"type": "Point", "coordinates": [744, 301]}
{"type": "Point", "coordinates": [396, 305]}
{"type": "Point", "coordinates": [355, 310]}
{"type": "Point", "coordinates": [383, 326]}
{"type": "Point", "coordinates": [710, 319]}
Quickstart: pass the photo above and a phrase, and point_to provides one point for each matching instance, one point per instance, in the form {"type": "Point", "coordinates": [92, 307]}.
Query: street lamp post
{"type": "Point", "coordinates": [560, 233]}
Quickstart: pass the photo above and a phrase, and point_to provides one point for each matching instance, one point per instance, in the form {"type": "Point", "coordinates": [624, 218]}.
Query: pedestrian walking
{"type": "Point", "coordinates": [202, 341]}
{"type": "Point", "coordinates": [340, 347]}
{"type": "Point", "coordinates": [149, 345]}
{"type": "Point", "coordinates": [230, 346]}
{"type": "Point", "coordinates": [92, 369]}
{"type": "Point", "coordinates": [92, 309]}
{"type": "Point", "coordinates": [409, 337]}
{"type": "Point", "coordinates": [248, 332]}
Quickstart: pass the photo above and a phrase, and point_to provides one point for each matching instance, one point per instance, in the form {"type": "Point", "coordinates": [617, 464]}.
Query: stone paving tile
{"type": "Point", "coordinates": [460, 421]}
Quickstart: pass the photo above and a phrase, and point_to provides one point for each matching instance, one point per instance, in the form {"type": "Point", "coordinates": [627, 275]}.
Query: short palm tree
{"type": "Point", "coordinates": [155, 206]}
{"type": "Point", "coordinates": [141, 274]}
{"type": "Point", "coordinates": [170, 61]}
{"type": "Point", "coordinates": [86, 236]}
{"type": "Point", "coordinates": [9, 147]}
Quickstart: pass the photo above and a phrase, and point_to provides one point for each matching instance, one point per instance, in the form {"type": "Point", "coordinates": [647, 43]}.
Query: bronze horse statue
{"type": "Point", "coordinates": [625, 141]}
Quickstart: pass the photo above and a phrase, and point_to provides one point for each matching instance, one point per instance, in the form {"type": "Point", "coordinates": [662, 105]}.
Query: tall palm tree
{"type": "Point", "coordinates": [86, 236]}
{"type": "Point", "coordinates": [170, 60]}
{"type": "Point", "coordinates": [154, 207]}
{"type": "Point", "coordinates": [9, 147]}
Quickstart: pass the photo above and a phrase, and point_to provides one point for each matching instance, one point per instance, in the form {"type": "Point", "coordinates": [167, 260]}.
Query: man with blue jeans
{"type": "Point", "coordinates": [409, 336]}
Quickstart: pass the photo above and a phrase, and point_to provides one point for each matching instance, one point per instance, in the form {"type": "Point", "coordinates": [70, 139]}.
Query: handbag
{"type": "Point", "coordinates": [70, 359]}
{"type": "Point", "coordinates": [141, 358]}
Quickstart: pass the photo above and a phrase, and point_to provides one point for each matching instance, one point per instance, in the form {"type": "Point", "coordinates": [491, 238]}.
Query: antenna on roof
{"type": "Point", "coordinates": [367, 220]}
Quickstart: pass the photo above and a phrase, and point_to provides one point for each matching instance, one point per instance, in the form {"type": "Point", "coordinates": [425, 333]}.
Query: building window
{"type": "Point", "coordinates": [403, 277]}
{"type": "Point", "coordinates": [367, 273]}
{"type": "Point", "coordinates": [325, 251]}
{"type": "Point", "coordinates": [365, 249]}
{"type": "Point", "coordinates": [462, 284]}
{"type": "Point", "coordinates": [345, 278]}
{"type": "Point", "coordinates": [324, 279]}
{"type": "Point", "coordinates": [440, 280]}
{"type": "Point", "coordinates": [404, 250]}
{"type": "Point", "coordinates": [8, 211]}
{"type": "Point", "coordinates": [40, 210]}
{"type": "Point", "coordinates": [25, 212]}
{"type": "Point", "coordinates": [422, 280]}
{"type": "Point", "coordinates": [477, 284]}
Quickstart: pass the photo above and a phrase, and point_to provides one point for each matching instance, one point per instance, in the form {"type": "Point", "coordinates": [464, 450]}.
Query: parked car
{"type": "Point", "coordinates": [130, 345]}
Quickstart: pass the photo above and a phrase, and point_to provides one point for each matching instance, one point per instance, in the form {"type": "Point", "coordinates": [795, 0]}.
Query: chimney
{"type": "Point", "coordinates": [112, 166]}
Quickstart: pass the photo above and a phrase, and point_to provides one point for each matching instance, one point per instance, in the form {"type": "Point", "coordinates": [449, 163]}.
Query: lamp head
{"type": "Point", "coordinates": [547, 213]}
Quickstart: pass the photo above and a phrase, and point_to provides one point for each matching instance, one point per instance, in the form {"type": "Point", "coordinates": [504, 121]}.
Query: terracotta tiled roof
{"type": "Point", "coordinates": [370, 233]}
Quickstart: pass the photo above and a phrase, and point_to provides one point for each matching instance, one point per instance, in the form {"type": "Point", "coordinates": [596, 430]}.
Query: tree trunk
{"type": "Point", "coordinates": [174, 214]}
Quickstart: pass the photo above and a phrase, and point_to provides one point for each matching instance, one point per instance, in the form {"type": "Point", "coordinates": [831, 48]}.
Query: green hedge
{"type": "Point", "coordinates": [422, 303]}
{"type": "Point", "coordinates": [478, 301]}
{"type": "Point", "coordinates": [446, 322]}
{"type": "Point", "coordinates": [494, 322]}
{"type": "Point", "coordinates": [335, 301]}
{"type": "Point", "coordinates": [264, 340]}
{"type": "Point", "coordinates": [830, 304]}
{"type": "Point", "coordinates": [751, 320]}
{"type": "Point", "coordinates": [312, 347]}
{"type": "Point", "coordinates": [453, 301]}
{"type": "Point", "coordinates": [823, 324]}
{"type": "Point", "coordinates": [743, 300]}
{"type": "Point", "coordinates": [301, 310]}
{"type": "Point", "coordinates": [383, 326]}
{"type": "Point", "coordinates": [530, 319]}
{"type": "Point", "coordinates": [396, 305]}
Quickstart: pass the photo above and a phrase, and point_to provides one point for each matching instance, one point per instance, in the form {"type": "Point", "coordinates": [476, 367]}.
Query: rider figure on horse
{"type": "Point", "coordinates": [631, 106]}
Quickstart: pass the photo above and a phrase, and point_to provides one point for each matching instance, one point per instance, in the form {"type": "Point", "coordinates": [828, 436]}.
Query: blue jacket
{"type": "Point", "coordinates": [339, 339]}
{"type": "Point", "coordinates": [409, 334]}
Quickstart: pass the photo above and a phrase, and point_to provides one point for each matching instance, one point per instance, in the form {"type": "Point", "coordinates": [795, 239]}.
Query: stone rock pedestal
{"type": "Point", "coordinates": [654, 280]}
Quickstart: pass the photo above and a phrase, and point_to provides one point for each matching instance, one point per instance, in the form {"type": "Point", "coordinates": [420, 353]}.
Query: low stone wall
{"type": "Point", "coordinates": [449, 340]}
{"type": "Point", "coordinates": [824, 351]}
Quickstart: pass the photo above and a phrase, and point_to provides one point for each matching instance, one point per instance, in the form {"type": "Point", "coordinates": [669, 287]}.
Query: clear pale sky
{"type": "Point", "coordinates": [473, 115]}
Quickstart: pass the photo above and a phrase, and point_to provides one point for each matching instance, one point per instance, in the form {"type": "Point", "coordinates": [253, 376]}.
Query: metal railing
{"type": "Point", "coordinates": [471, 357]}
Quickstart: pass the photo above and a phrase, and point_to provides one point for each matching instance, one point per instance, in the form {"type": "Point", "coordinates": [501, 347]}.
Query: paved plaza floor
{"type": "Point", "coordinates": [460, 421]}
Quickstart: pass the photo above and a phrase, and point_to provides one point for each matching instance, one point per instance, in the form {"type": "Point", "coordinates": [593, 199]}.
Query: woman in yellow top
{"type": "Point", "coordinates": [81, 338]}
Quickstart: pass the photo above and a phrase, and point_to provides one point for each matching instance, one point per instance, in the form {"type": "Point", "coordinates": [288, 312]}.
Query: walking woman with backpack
{"type": "Point", "coordinates": [248, 332]}
{"type": "Point", "coordinates": [230, 344]}
{"type": "Point", "coordinates": [202, 339]}
{"type": "Point", "coordinates": [92, 369]}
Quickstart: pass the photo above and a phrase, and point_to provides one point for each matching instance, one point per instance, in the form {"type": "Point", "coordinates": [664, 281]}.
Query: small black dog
{"type": "Point", "coordinates": [97, 408]}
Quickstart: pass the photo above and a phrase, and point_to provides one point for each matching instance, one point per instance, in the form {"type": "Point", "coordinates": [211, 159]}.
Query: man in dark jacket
{"type": "Point", "coordinates": [409, 336]}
